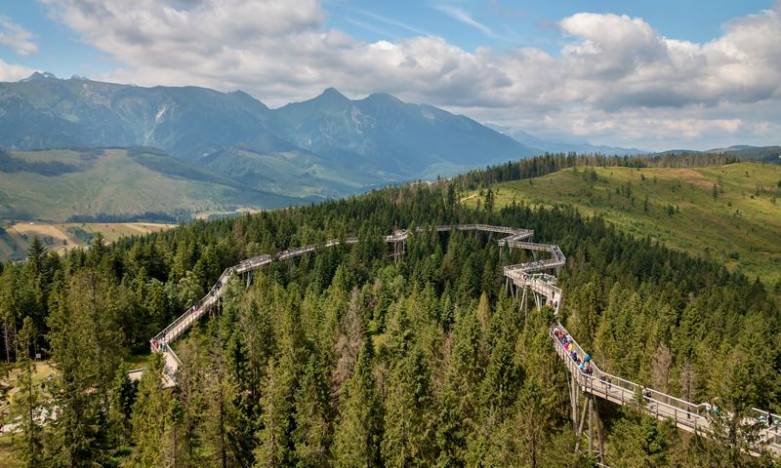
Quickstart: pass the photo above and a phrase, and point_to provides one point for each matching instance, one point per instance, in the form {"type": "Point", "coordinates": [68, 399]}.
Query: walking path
{"type": "Point", "coordinates": [529, 276]}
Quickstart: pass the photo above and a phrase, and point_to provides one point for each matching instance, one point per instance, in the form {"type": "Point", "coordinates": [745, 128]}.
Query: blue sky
{"type": "Point", "coordinates": [653, 74]}
{"type": "Point", "coordinates": [512, 24]}
{"type": "Point", "coordinates": [60, 50]}
{"type": "Point", "coordinates": [524, 23]}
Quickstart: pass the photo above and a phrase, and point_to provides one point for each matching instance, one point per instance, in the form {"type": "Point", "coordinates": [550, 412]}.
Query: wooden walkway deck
{"type": "Point", "coordinates": [529, 276]}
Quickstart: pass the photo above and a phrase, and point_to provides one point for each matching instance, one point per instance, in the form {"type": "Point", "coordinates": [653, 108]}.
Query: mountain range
{"type": "Point", "coordinates": [332, 144]}
{"type": "Point", "coordinates": [554, 146]}
{"type": "Point", "coordinates": [225, 151]}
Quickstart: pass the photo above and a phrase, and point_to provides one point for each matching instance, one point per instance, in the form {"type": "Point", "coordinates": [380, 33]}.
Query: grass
{"type": "Point", "coordinates": [739, 227]}
{"type": "Point", "coordinates": [8, 456]}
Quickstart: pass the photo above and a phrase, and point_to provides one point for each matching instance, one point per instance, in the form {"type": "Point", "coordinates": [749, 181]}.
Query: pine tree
{"type": "Point", "coordinates": [150, 420]}
{"type": "Point", "coordinates": [274, 439]}
{"type": "Point", "coordinates": [220, 414]}
{"type": "Point", "coordinates": [734, 430]}
{"type": "Point", "coordinates": [483, 312]}
{"type": "Point", "coordinates": [408, 436]}
{"type": "Point", "coordinates": [313, 433]}
{"type": "Point", "coordinates": [641, 441]}
{"type": "Point", "coordinates": [86, 350]}
{"type": "Point", "coordinates": [499, 387]}
{"type": "Point", "coordinates": [123, 397]}
{"type": "Point", "coordinates": [28, 403]}
{"type": "Point", "coordinates": [534, 420]}
{"type": "Point", "coordinates": [465, 365]}
{"type": "Point", "coordinates": [450, 429]}
{"type": "Point", "coordinates": [359, 426]}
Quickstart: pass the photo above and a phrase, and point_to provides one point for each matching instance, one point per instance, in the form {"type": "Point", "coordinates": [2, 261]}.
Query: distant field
{"type": "Point", "coordinates": [61, 237]}
{"type": "Point", "coordinates": [738, 223]}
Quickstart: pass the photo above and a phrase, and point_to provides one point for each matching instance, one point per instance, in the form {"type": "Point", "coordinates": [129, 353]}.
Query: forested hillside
{"type": "Point", "coordinates": [347, 358]}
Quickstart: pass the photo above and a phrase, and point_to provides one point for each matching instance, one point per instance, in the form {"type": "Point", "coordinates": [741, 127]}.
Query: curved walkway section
{"type": "Point", "coordinates": [534, 276]}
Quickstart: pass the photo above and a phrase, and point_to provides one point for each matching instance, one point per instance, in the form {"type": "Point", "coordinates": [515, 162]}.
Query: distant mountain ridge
{"type": "Point", "coordinates": [770, 154]}
{"type": "Point", "coordinates": [335, 145]}
{"type": "Point", "coordinates": [551, 146]}
{"type": "Point", "coordinates": [228, 151]}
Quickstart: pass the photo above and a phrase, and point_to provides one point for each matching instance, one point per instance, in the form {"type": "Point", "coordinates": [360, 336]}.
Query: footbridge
{"type": "Point", "coordinates": [536, 279]}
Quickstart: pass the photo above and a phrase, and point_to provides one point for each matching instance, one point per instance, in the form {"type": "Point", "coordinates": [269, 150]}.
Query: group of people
{"type": "Point", "coordinates": [568, 344]}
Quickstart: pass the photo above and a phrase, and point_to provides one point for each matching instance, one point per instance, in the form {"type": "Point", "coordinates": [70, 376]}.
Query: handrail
{"type": "Point", "coordinates": [161, 341]}
{"type": "Point", "coordinates": [685, 414]}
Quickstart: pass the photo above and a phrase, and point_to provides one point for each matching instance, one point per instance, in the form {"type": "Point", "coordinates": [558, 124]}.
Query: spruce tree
{"type": "Point", "coordinates": [28, 404]}
{"type": "Point", "coordinates": [313, 416]}
{"type": "Point", "coordinates": [151, 426]}
{"type": "Point", "coordinates": [359, 426]}
{"type": "Point", "coordinates": [408, 437]}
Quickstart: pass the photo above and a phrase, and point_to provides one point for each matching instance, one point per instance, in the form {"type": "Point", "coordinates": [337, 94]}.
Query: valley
{"type": "Point", "coordinates": [451, 233]}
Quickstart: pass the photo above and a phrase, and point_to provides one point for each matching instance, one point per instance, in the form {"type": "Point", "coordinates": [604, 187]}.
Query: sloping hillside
{"type": "Point", "coordinates": [59, 184]}
{"type": "Point", "coordinates": [731, 213]}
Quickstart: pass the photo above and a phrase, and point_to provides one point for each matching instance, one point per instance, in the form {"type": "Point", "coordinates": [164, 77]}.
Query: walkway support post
{"type": "Point", "coordinates": [579, 432]}
{"type": "Point", "coordinates": [526, 276]}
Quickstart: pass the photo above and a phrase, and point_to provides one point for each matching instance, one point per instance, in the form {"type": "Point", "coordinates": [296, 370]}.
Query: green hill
{"type": "Point", "coordinates": [347, 356]}
{"type": "Point", "coordinates": [731, 213]}
{"type": "Point", "coordinates": [56, 185]}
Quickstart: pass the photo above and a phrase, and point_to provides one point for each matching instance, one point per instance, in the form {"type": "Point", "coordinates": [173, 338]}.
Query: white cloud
{"type": "Point", "coordinates": [11, 72]}
{"type": "Point", "coordinates": [16, 37]}
{"type": "Point", "coordinates": [616, 80]}
{"type": "Point", "coordinates": [394, 22]}
{"type": "Point", "coordinates": [462, 16]}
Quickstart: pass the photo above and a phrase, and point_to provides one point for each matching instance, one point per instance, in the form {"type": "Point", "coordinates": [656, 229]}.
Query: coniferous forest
{"type": "Point", "coordinates": [349, 358]}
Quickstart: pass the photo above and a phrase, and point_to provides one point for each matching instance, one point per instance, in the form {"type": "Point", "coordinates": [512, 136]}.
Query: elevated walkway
{"type": "Point", "coordinates": [530, 276]}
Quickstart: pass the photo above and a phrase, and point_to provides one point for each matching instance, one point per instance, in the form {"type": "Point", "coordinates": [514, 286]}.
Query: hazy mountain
{"type": "Point", "coordinates": [46, 112]}
{"type": "Point", "coordinates": [581, 147]}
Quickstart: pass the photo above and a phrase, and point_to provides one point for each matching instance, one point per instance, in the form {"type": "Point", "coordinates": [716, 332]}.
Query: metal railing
{"type": "Point", "coordinates": [692, 417]}
{"type": "Point", "coordinates": [162, 340]}
{"type": "Point", "coordinates": [686, 415]}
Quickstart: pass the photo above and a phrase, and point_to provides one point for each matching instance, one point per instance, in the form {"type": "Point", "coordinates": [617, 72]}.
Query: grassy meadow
{"type": "Point", "coordinates": [730, 213]}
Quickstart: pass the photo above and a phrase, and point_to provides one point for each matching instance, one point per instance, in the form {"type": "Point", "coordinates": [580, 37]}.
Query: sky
{"type": "Point", "coordinates": [655, 75]}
